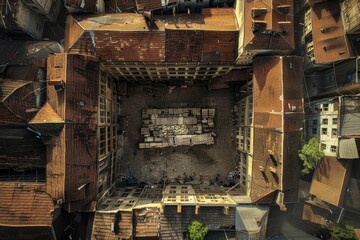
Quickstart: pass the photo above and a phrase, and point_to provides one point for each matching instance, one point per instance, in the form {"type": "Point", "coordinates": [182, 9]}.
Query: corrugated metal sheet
{"type": "Point", "coordinates": [330, 180]}
{"type": "Point", "coordinates": [330, 41]}
{"type": "Point", "coordinates": [349, 115]}
{"type": "Point", "coordinates": [348, 148]}
{"type": "Point", "coordinates": [25, 204]}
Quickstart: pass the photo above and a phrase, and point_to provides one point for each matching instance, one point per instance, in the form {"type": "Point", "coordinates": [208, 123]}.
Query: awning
{"type": "Point", "coordinates": [348, 148]}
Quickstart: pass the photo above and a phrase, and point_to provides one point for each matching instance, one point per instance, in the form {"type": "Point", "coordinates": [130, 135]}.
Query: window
{"type": "Point", "coordinates": [325, 121]}
{"type": "Point", "coordinates": [334, 120]}
{"type": "Point", "coordinates": [325, 107]}
{"type": "Point", "coordinates": [334, 132]}
{"type": "Point", "coordinates": [323, 146]}
{"type": "Point", "coordinates": [314, 131]}
{"type": "Point", "coordinates": [350, 78]}
{"type": "Point", "coordinates": [102, 142]}
{"type": "Point", "coordinates": [315, 122]}
{"type": "Point", "coordinates": [324, 131]}
{"type": "Point", "coordinates": [333, 149]}
{"type": "Point", "coordinates": [102, 110]}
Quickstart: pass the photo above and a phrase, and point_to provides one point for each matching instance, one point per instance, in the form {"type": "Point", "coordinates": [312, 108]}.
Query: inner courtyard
{"type": "Point", "coordinates": [180, 164]}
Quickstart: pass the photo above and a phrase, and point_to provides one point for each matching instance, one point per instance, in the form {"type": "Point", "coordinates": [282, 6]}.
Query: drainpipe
{"type": "Point", "coordinates": [40, 91]}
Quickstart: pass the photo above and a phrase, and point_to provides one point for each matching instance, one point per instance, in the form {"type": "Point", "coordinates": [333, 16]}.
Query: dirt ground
{"type": "Point", "coordinates": [196, 164]}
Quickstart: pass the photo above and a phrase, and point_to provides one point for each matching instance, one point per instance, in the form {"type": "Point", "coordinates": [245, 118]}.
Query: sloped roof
{"type": "Point", "coordinates": [147, 222]}
{"type": "Point", "coordinates": [46, 115]}
{"type": "Point", "coordinates": [103, 222]}
{"type": "Point", "coordinates": [251, 218]}
{"type": "Point", "coordinates": [348, 148]}
{"type": "Point", "coordinates": [9, 86]}
{"type": "Point", "coordinates": [210, 19]}
{"type": "Point", "coordinates": [272, 37]}
{"type": "Point", "coordinates": [222, 19]}
{"type": "Point", "coordinates": [330, 41]}
{"type": "Point", "coordinates": [330, 180]}
{"type": "Point", "coordinates": [22, 52]}
{"type": "Point", "coordinates": [25, 204]}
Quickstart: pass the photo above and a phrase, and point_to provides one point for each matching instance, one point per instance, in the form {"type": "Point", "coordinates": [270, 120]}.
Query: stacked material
{"type": "Point", "coordinates": [176, 127]}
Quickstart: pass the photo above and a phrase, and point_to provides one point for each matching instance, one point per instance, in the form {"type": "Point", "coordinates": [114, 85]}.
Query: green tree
{"type": "Point", "coordinates": [346, 232]}
{"type": "Point", "coordinates": [310, 155]}
{"type": "Point", "coordinates": [196, 231]}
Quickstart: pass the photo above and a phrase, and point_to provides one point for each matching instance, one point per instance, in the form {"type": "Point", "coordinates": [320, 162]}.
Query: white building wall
{"type": "Point", "coordinates": [322, 123]}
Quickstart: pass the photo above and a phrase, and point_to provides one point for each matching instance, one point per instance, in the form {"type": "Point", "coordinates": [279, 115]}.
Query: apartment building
{"type": "Point", "coordinates": [332, 121]}
{"type": "Point", "coordinates": [328, 81]}
{"type": "Point", "coordinates": [245, 131]}
{"type": "Point", "coordinates": [322, 120]}
{"type": "Point", "coordinates": [328, 33]}
{"type": "Point", "coordinates": [265, 28]}
{"type": "Point", "coordinates": [277, 129]}
{"type": "Point", "coordinates": [82, 158]}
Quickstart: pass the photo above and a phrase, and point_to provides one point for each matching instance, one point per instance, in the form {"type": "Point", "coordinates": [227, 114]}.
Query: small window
{"type": "Point", "coordinates": [334, 120]}
{"type": "Point", "coordinates": [325, 121]}
{"type": "Point", "coordinates": [314, 131]}
{"type": "Point", "coordinates": [333, 149]}
{"type": "Point", "coordinates": [325, 107]}
{"type": "Point", "coordinates": [323, 146]}
{"type": "Point", "coordinates": [315, 122]}
{"type": "Point", "coordinates": [334, 132]}
{"type": "Point", "coordinates": [324, 131]}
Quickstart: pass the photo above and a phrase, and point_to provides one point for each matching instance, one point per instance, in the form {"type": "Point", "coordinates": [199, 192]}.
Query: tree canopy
{"type": "Point", "coordinates": [346, 232]}
{"type": "Point", "coordinates": [197, 231]}
{"type": "Point", "coordinates": [310, 155]}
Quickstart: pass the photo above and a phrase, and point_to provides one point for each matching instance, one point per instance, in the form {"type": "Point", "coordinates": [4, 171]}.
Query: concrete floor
{"type": "Point", "coordinates": [196, 164]}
